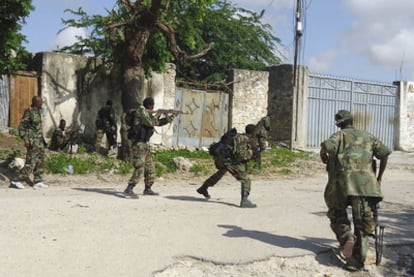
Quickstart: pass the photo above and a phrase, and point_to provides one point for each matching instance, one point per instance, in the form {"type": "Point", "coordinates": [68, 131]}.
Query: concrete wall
{"type": "Point", "coordinates": [250, 97]}
{"type": "Point", "coordinates": [76, 87]}
{"type": "Point", "coordinates": [405, 124]}
{"type": "Point", "coordinates": [288, 104]}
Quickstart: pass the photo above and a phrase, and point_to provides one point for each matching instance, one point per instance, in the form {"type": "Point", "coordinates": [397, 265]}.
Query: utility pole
{"type": "Point", "coordinates": [298, 35]}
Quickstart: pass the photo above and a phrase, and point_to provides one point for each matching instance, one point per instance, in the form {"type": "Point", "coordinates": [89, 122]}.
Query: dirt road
{"type": "Point", "coordinates": [82, 226]}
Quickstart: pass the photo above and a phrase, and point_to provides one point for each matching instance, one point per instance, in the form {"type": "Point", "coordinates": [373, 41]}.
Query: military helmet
{"type": "Point", "coordinates": [342, 115]}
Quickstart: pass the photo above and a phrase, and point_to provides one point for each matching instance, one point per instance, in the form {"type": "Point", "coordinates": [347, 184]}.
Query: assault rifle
{"type": "Point", "coordinates": [167, 111]}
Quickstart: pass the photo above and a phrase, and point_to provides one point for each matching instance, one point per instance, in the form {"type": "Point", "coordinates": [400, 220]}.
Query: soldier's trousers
{"type": "Point", "coordinates": [35, 162]}
{"type": "Point", "coordinates": [143, 164]}
{"type": "Point", "coordinates": [238, 171]}
{"type": "Point", "coordinates": [364, 224]}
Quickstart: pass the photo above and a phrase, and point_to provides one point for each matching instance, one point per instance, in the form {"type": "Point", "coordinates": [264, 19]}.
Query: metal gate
{"type": "Point", "coordinates": [373, 105]}
{"type": "Point", "coordinates": [205, 118]}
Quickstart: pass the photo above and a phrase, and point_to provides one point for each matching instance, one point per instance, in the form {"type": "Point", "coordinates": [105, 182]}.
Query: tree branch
{"type": "Point", "coordinates": [177, 52]}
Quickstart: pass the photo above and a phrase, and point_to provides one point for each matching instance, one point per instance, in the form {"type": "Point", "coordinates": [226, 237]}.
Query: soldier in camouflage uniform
{"type": "Point", "coordinates": [30, 130]}
{"type": "Point", "coordinates": [59, 141]}
{"type": "Point", "coordinates": [106, 125]}
{"type": "Point", "coordinates": [235, 165]}
{"type": "Point", "coordinates": [262, 133]}
{"type": "Point", "coordinates": [349, 155]}
{"type": "Point", "coordinates": [143, 128]}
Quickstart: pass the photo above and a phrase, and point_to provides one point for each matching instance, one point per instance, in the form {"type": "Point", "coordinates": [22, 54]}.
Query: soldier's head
{"type": "Point", "coordinates": [109, 103]}
{"type": "Point", "coordinates": [148, 103]}
{"type": "Point", "coordinates": [62, 124]}
{"type": "Point", "coordinates": [343, 118]}
{"type": "Point", "coordinates": [37, 102]}
{"type": "Point", "coordinates": [250, 129]}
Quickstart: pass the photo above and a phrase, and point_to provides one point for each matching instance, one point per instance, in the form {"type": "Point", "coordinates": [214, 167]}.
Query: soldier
{"type": "Point", "coordinates": [349, 155]}
{"type": "Point", "coordinates": [233, 158]}
{"type": "Point", "coordinates": [106, 125]}
{"type": "Point", "coordinates": [30, 130]}
{"type": "Point", "coordinates": [140, 133]}
{"type": "Point", "coordinates": [262, 133]}
{"type": "Point", "coordinates": [59, 141]}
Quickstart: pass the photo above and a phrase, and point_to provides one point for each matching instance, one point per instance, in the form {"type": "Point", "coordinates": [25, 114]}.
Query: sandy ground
{"type": "Point", "coordinates": [82, 226]}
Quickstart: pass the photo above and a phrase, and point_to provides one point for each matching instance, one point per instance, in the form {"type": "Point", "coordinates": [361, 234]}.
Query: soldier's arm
{"type": "Point", "coordinates": [383, 165]}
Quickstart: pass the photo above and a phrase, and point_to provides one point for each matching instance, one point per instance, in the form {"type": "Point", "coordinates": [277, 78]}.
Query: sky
{"type": "Point", "coordinates": [364, 39]}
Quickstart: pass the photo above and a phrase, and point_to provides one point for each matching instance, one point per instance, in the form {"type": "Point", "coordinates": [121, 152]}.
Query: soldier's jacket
{"type": "Point", "coordinates": [59, 140]}
{"type": "Point", "coordinates": [145, 122]}
{"type": "Point", "coordinates": [106, 119]}
{"type": "Point", "coordinates": [350, 171]}
{"type": "Point", "coordinates": [30, 127]}
{"type": "Point", "coordinates": [263, 127]}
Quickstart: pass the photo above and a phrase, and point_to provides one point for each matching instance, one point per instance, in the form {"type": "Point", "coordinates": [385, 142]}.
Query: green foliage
{"type": "Point", "coordinates": [282, 157]}
{"type": "Point", "coordinates": [199, 169]}
{"type": "Point", "coordinates": [240, 40]}
{"type": "Point", "coordinates": [9, 154]}
{"type": "Point", "coordinates": [12, 17]}
{"type": "Point", "coordinates": [276, 160]}
{"type": "Point", "coordinates": [165, 157]}
{"type": "Point", "coordinates": [83, 164]}
{"type": "Point", "coordinates": [239, 37]}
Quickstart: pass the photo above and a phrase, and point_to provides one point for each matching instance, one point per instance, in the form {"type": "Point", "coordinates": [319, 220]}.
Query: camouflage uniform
{"type": "Point", "coordinates": [106, 125]}
{"type": "Point", "coordinates": [352, 181]}
{"type": "Point", "coordinates": [235, 166]}
{"type": "Point", "coordinates": [141, 151]}
{"type": "Point", "coordinates": [58, 140]}
{"type": "Point", "coordinates": [262, 132]}
{"type": "Point", "coordinates": [31, 124]}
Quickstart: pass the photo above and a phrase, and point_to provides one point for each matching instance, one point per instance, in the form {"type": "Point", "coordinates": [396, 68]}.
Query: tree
{"type": "Point", "coordinates": [143, 36]}
{"type": "Point", "coordinates": [12, 16]}
{"type": "Point", "coordinates": [140, 36]}
{"type": "Point", "coordinates": [240, 40]}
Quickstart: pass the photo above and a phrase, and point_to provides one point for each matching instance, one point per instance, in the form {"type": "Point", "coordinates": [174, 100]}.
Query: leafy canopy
{"type": "Point", "coordinates": [241, 40]}
{"type": "Point", "coordinates": [12, 17]}
{"type": "Point", "coordinates": [235, 37]}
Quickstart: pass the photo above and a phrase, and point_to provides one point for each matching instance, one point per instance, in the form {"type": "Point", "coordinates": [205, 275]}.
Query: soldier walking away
{"type": "Point", "coordinates": [106, 125]}
{"type": "Point", "coordinates": [144, 121]}
{"type": "Point", "coordinates": [231, 154]}
{"type": "Point", "coordinates": [59, 140]}
{"type": "Point", "coordinates": [352, 181]}
{"type": "Point", "coordinates": [262, 133]}
{"type": "Point", "coordinates": [30, 130]}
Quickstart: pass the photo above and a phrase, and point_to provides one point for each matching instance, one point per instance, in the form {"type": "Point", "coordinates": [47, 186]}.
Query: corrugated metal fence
{"type": "Point", "coordinates": [4, 102]}
{"type": "Point", "coordinates": [374, 106]}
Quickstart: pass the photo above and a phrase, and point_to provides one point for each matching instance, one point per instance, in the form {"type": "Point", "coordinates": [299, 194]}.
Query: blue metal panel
{"type": "Point", "coordinates": [372, 104]}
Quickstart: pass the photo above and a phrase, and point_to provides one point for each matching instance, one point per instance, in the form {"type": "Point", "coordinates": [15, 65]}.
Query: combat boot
{"type": "Point", "coordinates": [245, 203]}
{"type": "Point", "coordinates": [129, 191]}
{"type": "Point", "coordinates": [203, 190]}
{"type": "Point", "coordinates": [149, 191]}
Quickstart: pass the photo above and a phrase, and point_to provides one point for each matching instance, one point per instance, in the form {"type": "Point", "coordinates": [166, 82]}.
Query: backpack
{"type": "Point", "coordinates": [242, 151]}
{"type": "Point", "coordinates": [224, 147]}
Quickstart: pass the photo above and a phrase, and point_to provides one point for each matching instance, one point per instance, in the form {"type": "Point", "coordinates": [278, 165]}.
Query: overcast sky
{"type": "Point", "coordinates": [364, 39]}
